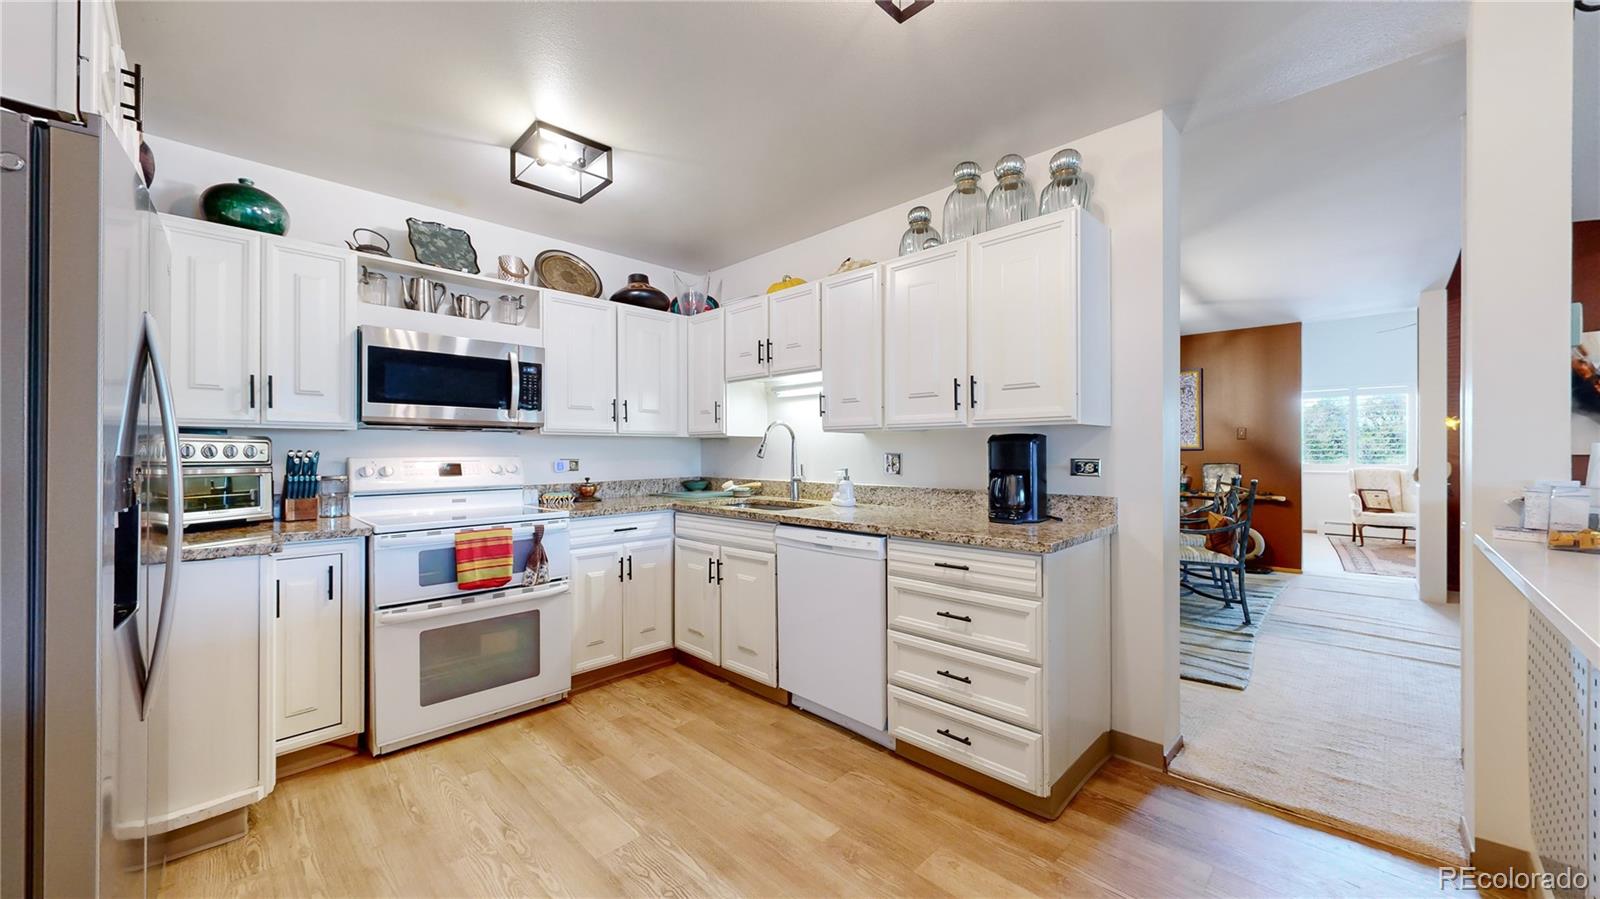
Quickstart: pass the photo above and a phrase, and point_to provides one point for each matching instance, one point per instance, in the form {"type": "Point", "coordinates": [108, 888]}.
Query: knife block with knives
{"type": "Point", "coordinates": [300, 485]}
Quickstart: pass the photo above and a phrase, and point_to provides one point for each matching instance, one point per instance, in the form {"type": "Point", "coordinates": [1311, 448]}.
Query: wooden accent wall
{"type": "Point", "coordinates": [1251, 380]}
{"type": "Point", "coordinates": [1452, 445]}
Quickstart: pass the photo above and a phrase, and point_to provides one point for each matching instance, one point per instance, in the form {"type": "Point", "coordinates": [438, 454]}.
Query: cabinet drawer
{"type": "Point", "coordinates": [961, 566]}
{"type": "Point", "coordinates": [1010, 691]}
{"type": "Point", "coordinates": [1002, 625]}
{"type": "Point", "coordinates": [991, 747]}
{"type": "Point", "coordinates": [611, 529]}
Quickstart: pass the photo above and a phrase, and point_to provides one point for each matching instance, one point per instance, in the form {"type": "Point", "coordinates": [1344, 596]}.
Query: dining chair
{"type": "Point", "coordinates": [1218, 575]}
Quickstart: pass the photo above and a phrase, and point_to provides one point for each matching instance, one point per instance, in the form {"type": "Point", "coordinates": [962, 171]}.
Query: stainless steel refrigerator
{"type": "Point", "coordinates": [85, 608]}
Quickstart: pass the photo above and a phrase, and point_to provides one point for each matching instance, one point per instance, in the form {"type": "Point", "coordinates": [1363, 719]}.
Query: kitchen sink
{"type": "Point", "coordinates": [774, 505]}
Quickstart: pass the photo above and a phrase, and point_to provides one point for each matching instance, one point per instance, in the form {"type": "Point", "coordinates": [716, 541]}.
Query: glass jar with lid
{"type": "Point", "coordinates": [1068, 185]}
{"type": "Point", "coordinates": [964, 209]}
{"type": "Point", "coordinates": [920, 231]}
{"type": "Point", "coordinates": [333, 496]}
{"type": "Point", "coordinates": [1012, 200]}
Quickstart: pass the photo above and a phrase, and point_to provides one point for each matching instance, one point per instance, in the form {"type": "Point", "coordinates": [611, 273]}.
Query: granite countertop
{"type": "Point", "coordinates": [261, 539]}
{"type": "Point", "coordinates": [1081, 522]}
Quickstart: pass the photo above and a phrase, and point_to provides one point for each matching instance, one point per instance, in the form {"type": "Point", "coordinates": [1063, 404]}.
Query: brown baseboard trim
{"type": "Point", "coordinates": [588, 680]}
{"type": "Point", "coordinates": [175, 844]}
{"type": "Point", "coordinates": [770, 694]}
{"type": "Point", "coordinates": [1143, 752]}
{"type": "Point", "coordinates": [1490, 857]}
{"type": "Point", "coordinates": [303, 760]}
{"type": "Point", "coordinates": [1177, 747]}
{"type": "Point", "coordinates": [1046, 807]}
{"type": "Point", "coordinates": [1282, 570]}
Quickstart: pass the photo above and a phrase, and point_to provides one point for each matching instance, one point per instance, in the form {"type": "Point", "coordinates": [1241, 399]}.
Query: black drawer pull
{"type": "Point", "coordinates": [962, 740]}
{"type": "Point", "coordinates": [952, 566]}
{"type": "Point", "coordinates": [965, 680]}
{"type": "Point", "coordinates": [620, 530]}
{"type": "Point", "coordinates": [965, 618]}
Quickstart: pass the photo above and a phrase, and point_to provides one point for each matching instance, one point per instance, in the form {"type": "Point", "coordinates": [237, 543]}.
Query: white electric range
{"type": "Point", "coordinates": [442, 658]}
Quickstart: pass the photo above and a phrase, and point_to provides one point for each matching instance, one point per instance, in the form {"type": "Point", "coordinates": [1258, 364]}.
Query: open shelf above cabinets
{"type": "Point", "coordinates": [394, 314]}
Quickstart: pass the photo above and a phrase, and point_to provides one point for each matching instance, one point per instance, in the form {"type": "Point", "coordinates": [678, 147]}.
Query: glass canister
{"type": "Point", "coordinates": [333, 496]}
{"type": "Point", "coordinates": [1068, 185]}
{"type": "Point", "coordinates": [964, 210]}
{"type": "Point", "coordinates": [1012, 200]}
{"type": "Point", "coordinates": [916, 237]}
{"type": "Point", "coordinates": [374, 287]}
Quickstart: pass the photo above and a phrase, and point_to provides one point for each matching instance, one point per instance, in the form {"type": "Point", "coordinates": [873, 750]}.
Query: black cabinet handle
{"type": "Point", "coordinates": [252, 391]}
{"type": "Point", "coordinates": [952, 566]}
{"type": "Point", "coordinates": [955, 394]}
{"type": "Point", "coordinates": [630, 566]}
{"type": "Point", "coordinates": [628, 528]}
{"type": "Point", "coordinates": [965, 680]}
{"type": "Point", "coordinates": [269, 391]}
{"type": "Point", "coordinates": [711, 575]}
{"type": "Point", "coordinates": [945, 733]}
{"type": "Point", "coordinates": [759, 359]}
{"type": "Point", "coordinates": [821, 412]}
{"type": "Point", "coordinates": [277, 599]}
{"type": "Point", "coordinates": [954, 616]}
{"type": "Point", "coordinates": [719, 571]}
{"type": "Point", "coordinates": [624, 410]}
{"type": "Point", "coordinates": [769, 351]}
{"type": "Point", "coordinates": [716, 411]}
{"type": "Point", "coordinates": [619, 568]}
{"type": "Point", "coordinates": [972, 393]}
{"type": "Point", "coordinates": [330, 583]}
{"type": "Point", "coordinates": [613, 408]}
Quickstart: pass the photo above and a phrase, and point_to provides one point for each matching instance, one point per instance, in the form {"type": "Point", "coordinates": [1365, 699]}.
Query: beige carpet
{"type": "Point", "coordinates": [1352, 716]}
{"type": "Point", "coordinates": [1389, 558]}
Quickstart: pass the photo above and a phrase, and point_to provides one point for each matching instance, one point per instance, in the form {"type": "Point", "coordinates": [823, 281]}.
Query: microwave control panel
{"type": "Point", "coordinates": [528, 397]}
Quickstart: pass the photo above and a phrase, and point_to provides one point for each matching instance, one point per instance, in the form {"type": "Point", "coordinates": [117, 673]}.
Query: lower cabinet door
{"type": "Point", "coordinates": [749, 581]}
{"type": "Point", "coordinates": [598, 581]}
{"type": "Point", "coordinates": [697, 613]}
{"type": "Point", "coordinates": [647, 601]}
{"type": "Point", "coordinates": [308, 637]}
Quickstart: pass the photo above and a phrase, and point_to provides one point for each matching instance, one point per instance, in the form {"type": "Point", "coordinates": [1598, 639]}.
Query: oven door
{"type": "Point", "coordinates": [415, 379]}
{"type": "Point", "coordinates": [421, 565]}
{"type": "Point", "coordinates": [437, 667]}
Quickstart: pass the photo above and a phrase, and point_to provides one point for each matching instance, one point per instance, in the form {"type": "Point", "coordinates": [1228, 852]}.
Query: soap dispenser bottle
{"type": "Point", "coordinates": [844, 493]}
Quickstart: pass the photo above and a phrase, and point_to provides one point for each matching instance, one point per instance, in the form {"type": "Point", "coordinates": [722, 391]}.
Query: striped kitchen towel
{"type": "Point", "coordinates": [483, 558]}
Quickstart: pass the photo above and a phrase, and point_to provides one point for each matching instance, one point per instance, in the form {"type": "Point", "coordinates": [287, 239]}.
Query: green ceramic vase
{"type": "Point", "coordinates": [244, 205]}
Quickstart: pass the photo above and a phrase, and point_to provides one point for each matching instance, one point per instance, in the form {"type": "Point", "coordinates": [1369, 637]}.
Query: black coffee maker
{"type": "Point", "coordinates": [1017, 492]}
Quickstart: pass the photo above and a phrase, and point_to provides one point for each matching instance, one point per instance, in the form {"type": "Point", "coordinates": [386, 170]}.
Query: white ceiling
{"type": "Point", "coordinates": [740, 127]}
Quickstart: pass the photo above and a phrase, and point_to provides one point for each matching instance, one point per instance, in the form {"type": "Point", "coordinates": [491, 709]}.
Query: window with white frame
{"type": "Point", "coordinates": [1356, 426]}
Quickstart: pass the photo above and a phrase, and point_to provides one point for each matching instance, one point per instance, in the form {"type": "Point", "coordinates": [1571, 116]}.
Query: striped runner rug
{"type": "Point", "coordinates": [1215, 646]}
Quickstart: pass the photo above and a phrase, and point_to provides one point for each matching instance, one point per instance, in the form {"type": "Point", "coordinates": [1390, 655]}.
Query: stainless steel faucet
{"type": "Point", "coordinates": [796, 470]}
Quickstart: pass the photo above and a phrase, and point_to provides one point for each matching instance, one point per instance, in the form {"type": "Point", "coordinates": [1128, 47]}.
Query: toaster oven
{"type": "Point", "coordinates": [226, 480]}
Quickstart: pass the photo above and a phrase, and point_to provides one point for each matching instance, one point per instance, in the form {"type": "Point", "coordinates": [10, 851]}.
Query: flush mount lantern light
{"type": "Point", "coordinates": [900, 10]}
{"type": "Point", "coordinates": [557, 162]}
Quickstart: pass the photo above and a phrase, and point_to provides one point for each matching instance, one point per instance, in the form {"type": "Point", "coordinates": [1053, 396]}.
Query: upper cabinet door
{"type": "Point", "coordinates": [580, 371]}
{"type": "Point", "coordinates": [308, 345]}
{"type": "Point", "coordinates": [746, 339]}
{"type": "Point", "coordinates": [925, 338]}
{"type": "Point", "coordinates": [650, 382]}
{"type": "Point", "coordinates": [708, 387]}
{"type": "Point", "coordinates": [1023, 321]}
{"type": "Point", "coordinates": [213, 324]}
{"type": "Point", "coordinates": [852, 350]}
{"type": "Point", "coordinates": [647, 601]}
{"type": "Point", "coordinates": [794, 330]}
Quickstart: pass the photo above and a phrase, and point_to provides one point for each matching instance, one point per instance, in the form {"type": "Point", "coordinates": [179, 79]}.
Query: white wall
{"type": "Point", "coordinates": [1432, 450]}
{"type": "Point", "coordinates": [1136, 195]}
{"type": "Point", "coordinates": [326, 212]}
{"type": "Point", "coordinates": [1366, 351]}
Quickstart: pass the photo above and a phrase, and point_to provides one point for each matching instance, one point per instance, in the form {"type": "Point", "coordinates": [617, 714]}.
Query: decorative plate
{"type": "Point", "coordinates": [560, 270]}
{"type": "Point", "coordinates": [442, 245]}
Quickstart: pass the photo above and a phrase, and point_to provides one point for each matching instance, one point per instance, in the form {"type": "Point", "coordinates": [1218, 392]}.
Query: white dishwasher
{"type": "Point", "coordinates": [832, 627]}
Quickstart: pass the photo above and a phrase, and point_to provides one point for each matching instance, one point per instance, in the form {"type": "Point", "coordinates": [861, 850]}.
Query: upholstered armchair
{"type": "Point", "coordinates": [1402, 492]}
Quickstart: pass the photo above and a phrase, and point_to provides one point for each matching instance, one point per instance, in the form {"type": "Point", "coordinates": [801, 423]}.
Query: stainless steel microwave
{"type": "Point", "coordinates": [418, 380]}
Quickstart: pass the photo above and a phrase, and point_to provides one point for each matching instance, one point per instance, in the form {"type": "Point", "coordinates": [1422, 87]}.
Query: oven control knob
{"type": "Point", "coordinates": [186, 451]}
{"type": "Point", "coordinates": [385, 472]}
{"type": "Point", "coordinates": [249, 452]}
{"type": "Point", "coordinates": [364, 471]}
{"type": "Point", "coordinates": [495, 469]}
{"type": "Point", "coordinates": [230, 451]}
{"type": "Point", "coordinates": [209, 451]}
{"type": "Point", "coordinates": [511, 468]}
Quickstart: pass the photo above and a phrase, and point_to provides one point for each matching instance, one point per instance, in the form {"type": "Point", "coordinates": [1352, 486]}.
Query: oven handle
{"type": "Point", "coordinates": [406, 616]}
{"type": "Point", "coordinates": [447, 536]}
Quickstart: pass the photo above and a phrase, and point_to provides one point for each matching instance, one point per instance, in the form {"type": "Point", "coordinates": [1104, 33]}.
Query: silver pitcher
{"type": "Point", "coordinates": [465, 305]}
{"type": "Point", "coordinates": [423, 294]}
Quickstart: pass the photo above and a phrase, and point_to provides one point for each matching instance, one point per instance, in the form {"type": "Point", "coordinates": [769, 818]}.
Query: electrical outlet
{"type": "Point", "coordinates": [1241, 433]}
{"type": "Point", "coordinates": [891, 463]}
{"type": "Point", "coordinates": [1086, 468]}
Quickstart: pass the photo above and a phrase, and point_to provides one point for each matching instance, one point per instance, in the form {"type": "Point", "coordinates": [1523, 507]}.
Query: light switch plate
{"type": "Point", "coordinates": [891, 463]}
{"type": "Point", "coordinates": [1241, 433]}
{"type": "Point", "coordinates": [1086, 468]}
{"type": "Point", "coordinates": [565, 465]}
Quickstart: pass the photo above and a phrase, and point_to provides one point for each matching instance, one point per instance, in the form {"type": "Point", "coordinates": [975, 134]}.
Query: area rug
{"type": "Point", "coordinates": [1215, 646]}
{"type": "Point", "coordinates": [1352, 717]}
{"type": "Point", "coordinates": [1385, 557]}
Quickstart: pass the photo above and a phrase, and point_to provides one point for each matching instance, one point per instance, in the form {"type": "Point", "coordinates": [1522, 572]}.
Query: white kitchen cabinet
{"type": "Point", "coordinates": [650, 378]}
{"type": "Point", "coordinates": [794, 330]}
{"type": "Point", "coordinates": [307, 359]}
{"type": "Point", "coordinates": [852, 350]}
{"type": "Point", "coordinates": [697, 610]}
{"type": "Point", "coordinates": [745, 345]}
{"type": "Point", "coordinates": [597, 587]}
{"type": "Point", "coordinates": [1038, 322]}
{"type": "Point", "coordinates": [749, 582]}
{"type": "Point", "coordinates": [647, 598]}
{"type": "Point", "coordinates": [214, 323]}
{"type": "Point", "coordinates": [318, 596]}
{"type": "Point", "coordinates": [718, 408]}
{"type": "Point", "coordinates": [580, 370]}
{"type": "Point", "coordinates": [925, 338]}
{"type": "Point", "coordinates": [260, 328]}
{"type": "Point", "coordinates": [66, 56]}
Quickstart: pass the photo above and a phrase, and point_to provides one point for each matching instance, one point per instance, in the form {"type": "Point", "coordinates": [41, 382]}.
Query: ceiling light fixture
{"type": "Point", "coordinates": [555, 161]}
{"type": "Point", "coordinates": [900, 10]}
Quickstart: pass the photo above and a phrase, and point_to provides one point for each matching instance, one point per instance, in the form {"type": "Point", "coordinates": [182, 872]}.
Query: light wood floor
{"type": "Point", "coordinates": [672, 783]}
